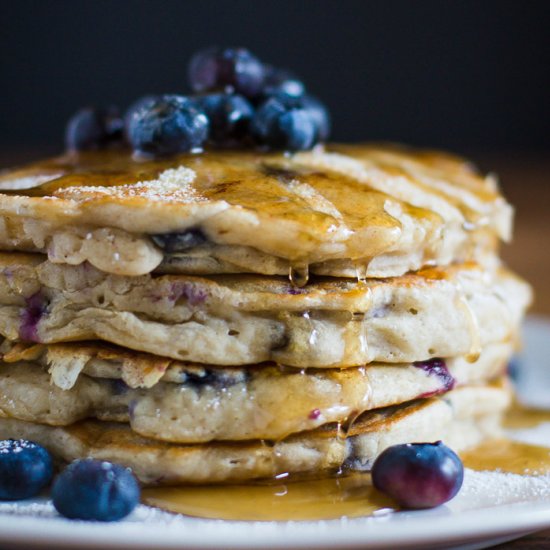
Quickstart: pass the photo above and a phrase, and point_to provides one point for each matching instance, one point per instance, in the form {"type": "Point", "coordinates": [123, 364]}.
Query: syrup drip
{"type": "Point", "coordinates": [473, 325]}
{"type": "Point", "coordinates": [367, 397]}
{"type": "Point", "coordinates": [313, 332]}
{"type": "Point", "coordinates": [361, 270]}
{"type": "Point", "coordinates": [345, 428]}
{"type": "Point", "coordinates": [299, 274]}
{"type": "Point", "coordinates": [355, 338]}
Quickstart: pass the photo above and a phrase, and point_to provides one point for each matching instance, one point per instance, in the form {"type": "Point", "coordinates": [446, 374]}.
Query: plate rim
{"type": "Point", "coordinates": [408, 530]}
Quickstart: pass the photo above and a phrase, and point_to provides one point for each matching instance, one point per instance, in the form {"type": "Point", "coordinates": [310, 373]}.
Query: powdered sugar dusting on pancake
{"type": "Point", "coordinates": [172, 185]}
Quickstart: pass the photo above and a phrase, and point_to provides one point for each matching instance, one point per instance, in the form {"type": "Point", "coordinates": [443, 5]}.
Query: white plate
{"type": "Point", "coordinates": [490, 508]}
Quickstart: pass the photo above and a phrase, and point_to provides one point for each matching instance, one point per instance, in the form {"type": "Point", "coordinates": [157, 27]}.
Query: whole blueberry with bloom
{"type": "Point", "coordinates": [166, 125]}
{"type": "Point", "coordinates": [229, 116]}
{"type": "Point", "coordinates": [418, 475]}
{"type": "Point", "coordinates": [279, 81]}
{"type": "Point", "coordinates": [93, 128]}
{"type": "Point", "coordinates": [228, 69]}
{"type": "Point", "coordinates": [95, 490]}
{"type": "Point", "coordinates": [25, 469]}
{"type": "Point", "coordinates": [290, 123]}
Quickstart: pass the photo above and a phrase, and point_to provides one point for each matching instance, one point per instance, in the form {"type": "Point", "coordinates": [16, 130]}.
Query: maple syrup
{"type": "Point", "coordinates": [505, 455]}
{"type": "Point", "coordinates": [299, 275]}
{"type": "Point", "coordinates": [331, 498]}
{"type": "Point", "coordinates": [519, 417]}
{"type": "Point", "coordinates": [349, 495]}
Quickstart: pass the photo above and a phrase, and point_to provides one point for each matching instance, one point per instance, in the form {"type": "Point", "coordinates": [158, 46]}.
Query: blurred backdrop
{"type": "Point", "coordinates": [469, 76]}
{"type": "Point", "coordinates": [457, 74]}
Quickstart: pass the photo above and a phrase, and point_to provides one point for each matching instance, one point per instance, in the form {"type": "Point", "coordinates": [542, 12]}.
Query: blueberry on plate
{"type": "Point", "coordinates": [95, 490]}
{"type": "Point", "coordinates": [229, 116]}
{"type": "Point", "coordinates": [290, 123]}
{"type": "Point", "coordinates": [25, 469]}
{"type": "Point", "coordinates": [166, 125]}
{"type": "Point", "coordinates": [282, 81]}
{"type": "Point", "coordinates": [229, 69]}
{"type": "Point", "coordinates": [418, 475]}
{"type": "Point", "coordinates": [92, 128]}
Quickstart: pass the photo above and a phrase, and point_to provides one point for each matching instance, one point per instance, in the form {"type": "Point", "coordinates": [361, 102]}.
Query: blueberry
{"type": "Point", "coordinates": [282, 81]}
{"type": "Point", "coordinates": [166, 125]}
{"type": "Point", "coordinates": [292, 123]}
{"type": "Point", "coordinates": [514, 368]}
{"type": "Point", "coordinates": [92, 128]}
{"type": "Point", "coordinates": [229, 69]}
{"type": "Point", "coordinates": [25, 469]}
{"type": "Point", "coordinates": [95, 490]}
{"type": "Point", "coordinates": [214, 378]}
{"type": "Point", "coordinates": [136, 106]}
{"type": "Point", "coordinates": [320, 115]}
{"type": "Point", "coordinates": [178, 242]}
{"type": "Point", "coordinates": [36, 306]}
{"type": "Point", "coordinates": [418, 475]}
{"type": "Point", "coordinates": [229, 116]}
{"type": "Point", "coordinates": [438, 368]}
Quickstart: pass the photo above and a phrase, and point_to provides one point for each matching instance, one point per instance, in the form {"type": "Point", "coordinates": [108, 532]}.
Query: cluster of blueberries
{"type": "Point", "coordinates": [86, 489]}
{"type": "Point", "coordinates": [238, 101]}
{"type": "Point", "coordinates": [415, 475]}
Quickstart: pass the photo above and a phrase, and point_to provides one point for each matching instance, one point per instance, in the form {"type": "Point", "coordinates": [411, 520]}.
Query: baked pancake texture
{"type": "Point", "coordinates": [462, 418]}
{"type": "Point", "coordinates": [378, 211]}
{"type": "Point", "coordinates": [194, 403]}
{"type": "Point", "coordinates": [232, 316]}
{"type": "Point", "coordinates": [239, 320]}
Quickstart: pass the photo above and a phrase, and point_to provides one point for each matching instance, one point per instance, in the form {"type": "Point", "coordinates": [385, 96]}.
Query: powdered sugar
{"type": "Point", "coordinates": [497, 488]}
{"type": "Point", "coordinates": [11, 446]}
{"type": "Point", "coordinates": [174, 184]}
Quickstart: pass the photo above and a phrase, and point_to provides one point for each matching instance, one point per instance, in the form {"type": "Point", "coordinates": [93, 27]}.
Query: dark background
{"type": "Point", "coordinates": [465, 75]}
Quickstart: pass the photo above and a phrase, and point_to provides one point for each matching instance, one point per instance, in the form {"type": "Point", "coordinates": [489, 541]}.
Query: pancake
{"type": "Point", "coordinates": [373, 210]}
{"type": "Point", "coordinates": [240, 320]}
{"type": "Point", "coordinates": [462, 418]}
{"type": "Point", "coordinates": [194, 404]}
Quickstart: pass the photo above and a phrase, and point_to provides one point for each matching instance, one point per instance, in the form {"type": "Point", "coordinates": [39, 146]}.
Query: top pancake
{"type": "Point", "coordinates": [345, 211]}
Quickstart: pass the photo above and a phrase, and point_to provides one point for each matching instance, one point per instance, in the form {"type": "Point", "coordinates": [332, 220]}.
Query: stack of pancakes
{"type": "Point", "coordinates": [234, 315]}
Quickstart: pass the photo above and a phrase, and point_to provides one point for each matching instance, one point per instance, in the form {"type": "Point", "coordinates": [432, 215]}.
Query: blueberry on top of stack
{"type": "Point", "coordinates": [238, 102]}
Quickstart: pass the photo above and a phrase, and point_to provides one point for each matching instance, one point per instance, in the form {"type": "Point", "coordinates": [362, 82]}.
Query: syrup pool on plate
{"type": "Point", "coordinates": [511, 456]}
{"type": "Point", "coordinates": [342, 496]}
{"type": "Point", "coordinates": [330, 498]}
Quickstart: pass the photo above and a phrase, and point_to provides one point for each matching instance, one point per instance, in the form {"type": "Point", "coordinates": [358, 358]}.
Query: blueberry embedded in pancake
{"type": "Point", "coordinates": [180, 242]}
